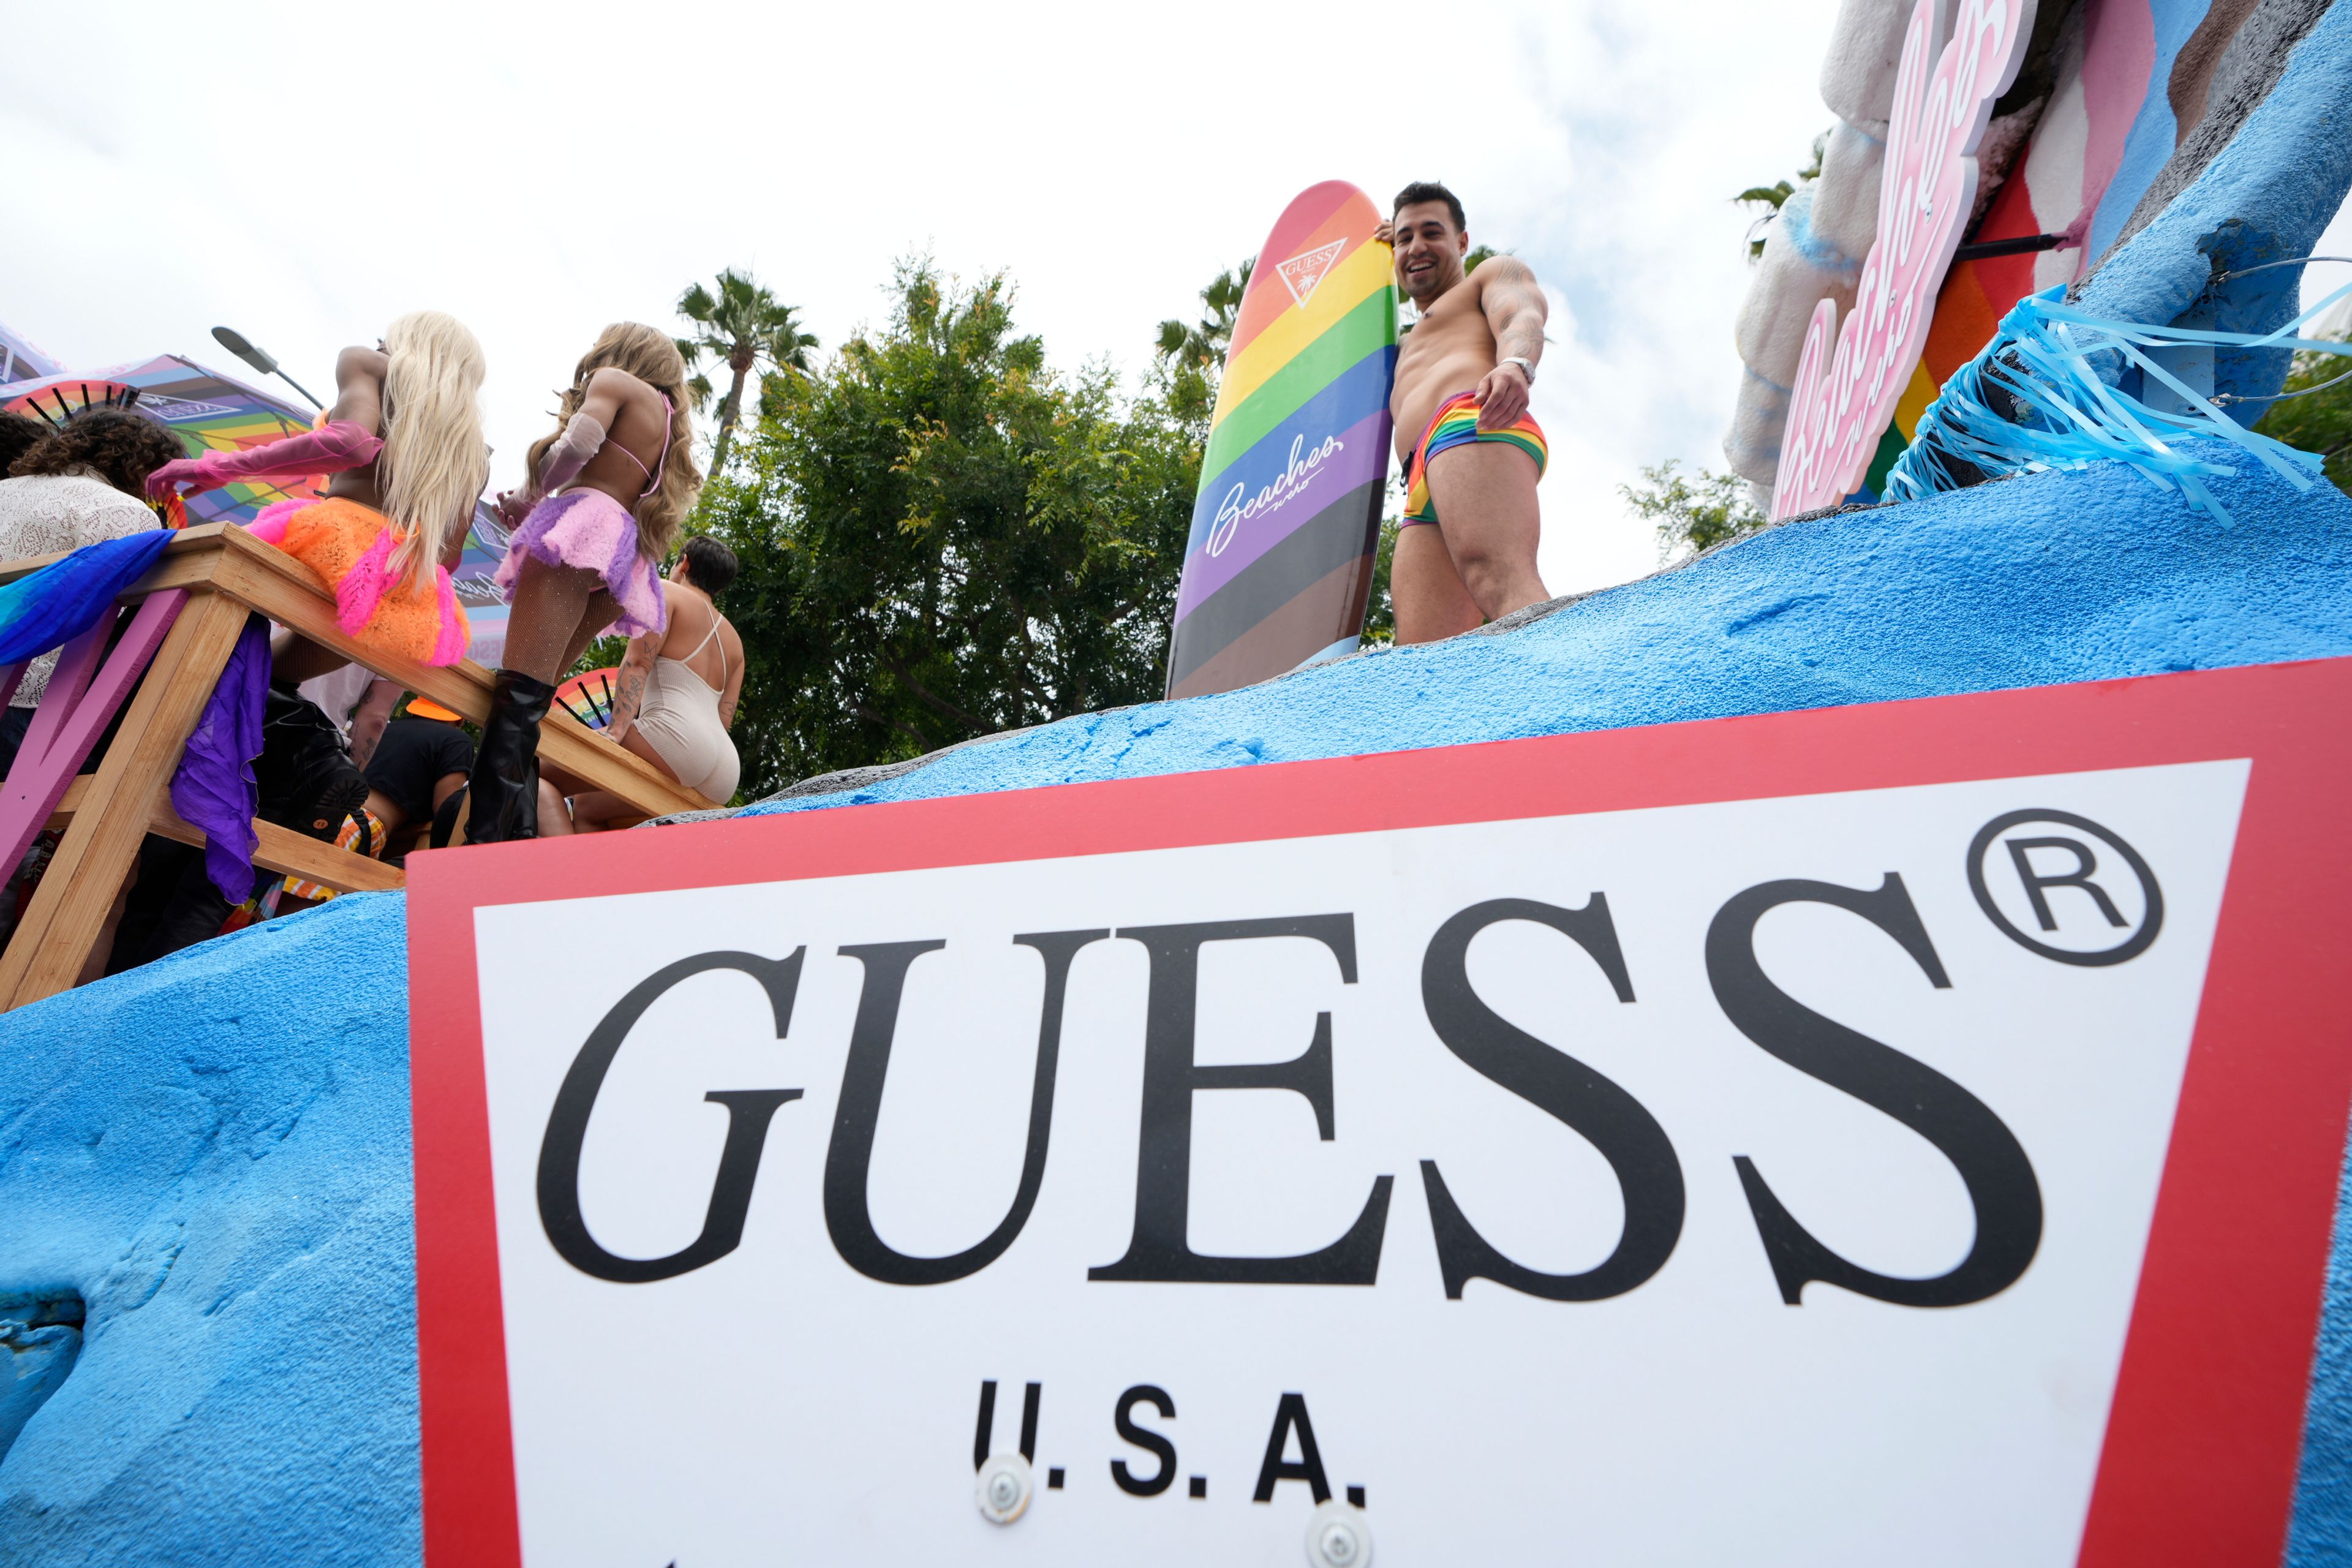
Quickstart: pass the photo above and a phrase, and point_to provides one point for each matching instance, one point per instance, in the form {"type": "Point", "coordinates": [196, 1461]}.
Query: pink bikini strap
{"type": "Point", "coordinates": [653, 474]}
{"type": "Point", "coordinates": [653, 480]}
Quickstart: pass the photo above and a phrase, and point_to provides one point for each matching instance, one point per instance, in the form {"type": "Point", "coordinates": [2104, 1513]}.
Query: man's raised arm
{"type": "Point", "coordinates": [1516, 312]}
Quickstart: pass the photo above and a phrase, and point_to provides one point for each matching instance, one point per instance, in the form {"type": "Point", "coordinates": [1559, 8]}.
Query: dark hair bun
{"type": "Point", "coordinates": [712, 564]}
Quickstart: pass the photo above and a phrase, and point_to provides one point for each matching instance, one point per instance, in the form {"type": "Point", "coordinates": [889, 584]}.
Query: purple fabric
{"type": "Point", "coordinates": [214, 787]}
{"type": "Point", "coordinates": [589, 529]}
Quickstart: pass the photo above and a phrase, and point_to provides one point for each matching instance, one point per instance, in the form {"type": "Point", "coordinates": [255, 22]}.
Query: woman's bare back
{"type": "Point", "coordinates": [717, 661]}
{"type": "Point", "coordinates": [360, 376]}
{"type": "Point", "coordinates": [636, 421]}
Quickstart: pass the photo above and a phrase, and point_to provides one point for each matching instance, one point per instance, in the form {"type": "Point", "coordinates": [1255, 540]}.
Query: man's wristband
{"type": "Point", "coordinates": [1526, 366]}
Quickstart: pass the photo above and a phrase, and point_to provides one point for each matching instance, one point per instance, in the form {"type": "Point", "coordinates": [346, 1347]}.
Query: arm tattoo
{"type": "Point", "coordinates": [1515, 313]}
{"type": "Point", "coordinates": [630, 693]}
{"type": "Point", "coordinates": [1523, 339]}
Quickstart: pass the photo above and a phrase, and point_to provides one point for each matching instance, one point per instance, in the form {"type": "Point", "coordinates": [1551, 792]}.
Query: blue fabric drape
{"type": "Point", "coordinates": [63, 600]}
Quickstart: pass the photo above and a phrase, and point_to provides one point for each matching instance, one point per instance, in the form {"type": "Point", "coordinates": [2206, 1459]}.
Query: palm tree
{"type": "Point", "coordinates": [1206, 344]}
{"type": "Point", "coordinates": [1770, 198]}
{"type": "Point", "coordinates": [744, 327]}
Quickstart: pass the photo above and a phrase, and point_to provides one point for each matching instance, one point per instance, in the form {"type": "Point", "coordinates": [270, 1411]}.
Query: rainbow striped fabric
{"type": "Point", "coordinates": [1456, 422]}
{"type": "Point", "coordinates": [1279, 561]}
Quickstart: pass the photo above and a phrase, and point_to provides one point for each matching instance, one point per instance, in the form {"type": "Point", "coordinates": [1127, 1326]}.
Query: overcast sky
{"type": "Point", "coordinates": [306, 173]}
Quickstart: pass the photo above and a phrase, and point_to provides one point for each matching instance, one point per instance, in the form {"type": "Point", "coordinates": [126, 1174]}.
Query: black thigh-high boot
{"type": "Point", "coordinates": [504, 787]}
{"type": "Point", "coordinates": [173, 905]}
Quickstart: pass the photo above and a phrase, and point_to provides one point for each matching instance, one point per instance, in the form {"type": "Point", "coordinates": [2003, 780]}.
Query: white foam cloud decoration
{"type": "Point", "coordinates": [1798, 269]}
{"type": "Point", "coordinates": [1865, 56]}
{"type": "Point", "coordinates": [1815, 247]}
{"type": "Point", "coordinates": [1943, 100]}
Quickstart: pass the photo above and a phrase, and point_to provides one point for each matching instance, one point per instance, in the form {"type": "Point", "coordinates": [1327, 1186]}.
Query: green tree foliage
{"type": "Point", "coordinates": [941, 537]}
{"type": "Point", "coordinates": [2319, 421]}
{"type": "Point", "coordinates": [1379, 610]}
{"type": "Point", "coordinates": [605, 653]}
{"type": "Point", "coordinates": [1769, 197]}
{"type": "Point", "coordinates": [1693, 512]}
{"type": "Point", "coordinates": [1203, 344]}
{"type": "Point", "coordinates": [743, 327]}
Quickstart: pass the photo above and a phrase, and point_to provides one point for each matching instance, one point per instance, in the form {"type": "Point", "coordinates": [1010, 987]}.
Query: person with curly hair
{"type": "Point", "coordinates": [81, 483]}
{"type": "Point", "coordinates": [19, 434]}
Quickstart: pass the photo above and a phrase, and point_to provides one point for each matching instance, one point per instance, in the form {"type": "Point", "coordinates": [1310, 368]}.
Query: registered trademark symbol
{"type": "Point", "coordinates": [2062, 886]}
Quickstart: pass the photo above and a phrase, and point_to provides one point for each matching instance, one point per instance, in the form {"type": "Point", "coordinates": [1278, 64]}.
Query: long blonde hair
{"type": "Point", "coordinates": [435, 458]}
{"type": "Point", "coordinates": [652, 356]}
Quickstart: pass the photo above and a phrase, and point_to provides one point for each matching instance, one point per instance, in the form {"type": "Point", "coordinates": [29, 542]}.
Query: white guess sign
{"type": "Point", "coordinates": [1759, 1180]}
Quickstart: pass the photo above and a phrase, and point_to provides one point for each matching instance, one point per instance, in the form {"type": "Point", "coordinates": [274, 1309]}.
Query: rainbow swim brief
{"type": "Point", "coordinates": [1456, 422]}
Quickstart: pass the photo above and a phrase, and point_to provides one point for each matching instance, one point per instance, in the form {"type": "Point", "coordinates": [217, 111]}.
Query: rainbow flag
{"type": "Point", "coordinates": [208, 412]}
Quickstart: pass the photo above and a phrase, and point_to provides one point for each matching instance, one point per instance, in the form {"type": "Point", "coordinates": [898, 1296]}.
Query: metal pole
{"type": "Point", "coordinates": [261, 360]}
{"type": "Point", "coordinates": [303, 390]}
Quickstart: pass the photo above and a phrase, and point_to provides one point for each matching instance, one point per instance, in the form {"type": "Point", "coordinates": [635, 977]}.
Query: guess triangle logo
{"type": "Point", "coordinates": [1302, 272]}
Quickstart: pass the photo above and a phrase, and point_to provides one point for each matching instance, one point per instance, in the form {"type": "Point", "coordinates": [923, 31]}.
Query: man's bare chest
{"type": "Point", "coordinates": [1454, 321]}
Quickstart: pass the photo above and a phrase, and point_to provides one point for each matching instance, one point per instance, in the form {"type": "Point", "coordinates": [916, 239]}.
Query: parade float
{"type": "Point", "coordinates": [1837, 1051]}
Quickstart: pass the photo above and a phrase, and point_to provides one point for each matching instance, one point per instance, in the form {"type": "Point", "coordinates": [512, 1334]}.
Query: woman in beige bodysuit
{"type": "Point", "coordinates": [676, 698]}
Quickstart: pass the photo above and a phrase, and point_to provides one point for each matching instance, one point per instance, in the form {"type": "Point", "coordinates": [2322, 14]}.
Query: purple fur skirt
{"type": "Point", "coordinates": [589, 529]}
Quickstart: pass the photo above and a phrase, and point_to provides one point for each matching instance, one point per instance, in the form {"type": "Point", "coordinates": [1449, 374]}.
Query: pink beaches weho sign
{"type": "Point", "coordinates": [1843, 400]}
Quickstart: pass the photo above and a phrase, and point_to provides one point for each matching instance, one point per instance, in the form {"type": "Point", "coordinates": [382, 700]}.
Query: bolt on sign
{"type": "Point", "coordinates": [1903, 1132]}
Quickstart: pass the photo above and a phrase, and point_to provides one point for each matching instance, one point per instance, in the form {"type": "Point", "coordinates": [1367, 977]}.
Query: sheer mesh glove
{"type": "Point", "coordinates": [329, 449]}
{"type": "Point", "coordinates": [581, 440]}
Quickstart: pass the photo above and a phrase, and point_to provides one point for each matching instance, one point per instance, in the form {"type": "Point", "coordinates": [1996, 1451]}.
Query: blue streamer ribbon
{"type": "Point", "coordinates": [2033, 401]}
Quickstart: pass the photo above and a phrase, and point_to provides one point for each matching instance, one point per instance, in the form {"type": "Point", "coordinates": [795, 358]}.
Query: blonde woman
{"type": "Point", "coordinates": [404, 442]}
{"type": "Point", "coordinates": [606, 492]}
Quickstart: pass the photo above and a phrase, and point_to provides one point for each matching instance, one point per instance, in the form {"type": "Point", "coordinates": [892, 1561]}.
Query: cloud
{"type": "Point", "coordinates": [313, 172]}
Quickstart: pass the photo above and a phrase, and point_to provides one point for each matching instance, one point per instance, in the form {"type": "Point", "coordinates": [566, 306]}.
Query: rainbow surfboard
{"type": "Point", "coordinates": [1279, 563]}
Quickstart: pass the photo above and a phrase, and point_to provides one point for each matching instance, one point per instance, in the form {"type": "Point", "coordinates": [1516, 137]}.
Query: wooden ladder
{"type": "Point", "coordinates": [205, 583]}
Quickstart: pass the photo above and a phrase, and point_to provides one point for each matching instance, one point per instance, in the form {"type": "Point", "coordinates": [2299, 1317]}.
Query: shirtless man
{"type": "Point", "coordinates": [1471, 453]}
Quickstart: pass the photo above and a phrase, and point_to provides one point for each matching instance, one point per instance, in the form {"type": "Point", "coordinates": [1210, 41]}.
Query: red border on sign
{"type": "Point", "coordinates": [2199, 1464]}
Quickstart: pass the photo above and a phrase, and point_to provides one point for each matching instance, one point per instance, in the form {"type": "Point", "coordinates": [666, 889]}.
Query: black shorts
{"type": "Point", "coordinates": [414, 755]}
